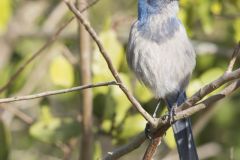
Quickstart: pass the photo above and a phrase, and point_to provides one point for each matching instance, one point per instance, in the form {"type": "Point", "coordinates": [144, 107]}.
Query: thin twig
{"type": "Point", "coordinates": [227, 77]}
{"type": "Point", "coordinates": [208, 102]}
{"type": "Point", "coordinates": [234, 58]}
{"type": "Point", "coordinates": [61, 91]}
{"type": "Point", "coordinates": [50, 41]}
{"type": "Point", "coordinates": [18, 113]}
{"type": "Point", "coordinates": [114, 72]}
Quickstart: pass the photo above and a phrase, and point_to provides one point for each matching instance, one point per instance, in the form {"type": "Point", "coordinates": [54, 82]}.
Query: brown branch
{"type": "Point", "coordinates": [227, 77]}
{"type": "Point", "coordinates": [152, 147]}
{"type": "Point", "coordinates": [163, 127]}
{"type": "Point", "coordinates": [50, 41]}
{"type": "Point", "coordinates": [84, 41]}
{"type": "Point", "coordinates": [18, 113]}
{"type": "Point", "coordinates": [114, 72]}
{"type": "Point", "coordinates": [186, 110]}
{"type": "Point", "coordinates": [208, 102]}
{"type": "Point", "coordinates": [134, 144]}
{"type": "Point", "coordinates": [61, 91]}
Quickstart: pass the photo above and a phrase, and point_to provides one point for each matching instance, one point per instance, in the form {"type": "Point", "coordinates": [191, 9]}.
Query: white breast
{"type": "Point", "coordinates": [161, 55]}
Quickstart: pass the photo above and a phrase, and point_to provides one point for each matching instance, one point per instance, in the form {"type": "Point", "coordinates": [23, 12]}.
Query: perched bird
{"type": "Point", "coordinates": [162, 57]}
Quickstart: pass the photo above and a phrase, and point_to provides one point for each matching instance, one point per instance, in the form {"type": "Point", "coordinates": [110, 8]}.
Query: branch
{"type": "Point", "coordinates": [114, 72]}
{"type": "Point", "coordinates": [163, 122]}
{"type": "Point", "coordinates": [50, 41]}
{"type": "Point", "coordinates": [61, 91]}
{"type": "Point", "coordinates": [227, 77]}
{"type": "Point", "coordinates": [208, 102]}
{"type": "Point", "coordinates": [134, 144]}
{"type": "Point", "coordinates": [234, 58]}
{"type": "Point", "coordinates": [152, 147]}
{"type": "Point", "coordinates": [163, 127]}
{"type": "Point", "coordinates": [18, 113]}
{"type": "Point", "coordinates": [86, 105]}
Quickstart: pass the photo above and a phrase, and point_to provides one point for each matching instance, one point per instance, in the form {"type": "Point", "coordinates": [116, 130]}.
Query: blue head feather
{"type": "Point", "coordinates": [142, 10]}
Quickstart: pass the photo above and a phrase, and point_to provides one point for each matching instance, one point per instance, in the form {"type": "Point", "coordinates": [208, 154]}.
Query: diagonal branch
{"type": "Point", "coordinates": [227, 77]}
{"type": "Point", "coordinates": [61, 91]}
{"type": "Point", "coordinates": [209, 101]}
{"type": "Point", "coordinates": [48, 43]}
{"type": "Point", "coordinates": [234, 58]}
{"type": "Point", "coordinates": [114, 72]}
{"type": "Point", "coordinates": [163, 127]}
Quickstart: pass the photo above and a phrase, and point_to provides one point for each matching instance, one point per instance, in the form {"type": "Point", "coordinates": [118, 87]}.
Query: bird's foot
{"type": "Point", "coordinates": [171, 115]}
{"type": "Point", "coordinates": [148, 131]}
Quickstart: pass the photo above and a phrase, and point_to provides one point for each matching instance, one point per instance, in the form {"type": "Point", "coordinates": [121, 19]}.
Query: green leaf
{"type": "Point", "coordinates": [122, 103]}
{"type": "Point", "coordinates": [61, 72]}
{"type": "Point", "coordinates": [205, 61]}
{"type": "Point", "coordinates": [225, 113]}
{"type": "Point", "coordinates": [50, 129]}
{"type": "Point", "coordinates": [194, 86]}
{"type": "Point", "coordinates": [216, 8]}
{"type": "Point", "coordinates": [169, 138]}
{"type": "Point", "coordinates": [106, 125]}
{"type": "Point", "coordinates": [236, 27]}
{"type": "Point", "coordinates": [211, 74]}
{"type": "Point", "coordinates": [143, 93]}
{"type": "Point", "coordinates": [97, 150]}
{"type": "Point", "coordinates": [6, 10]}
{"type": "Point", "coordinates": [100, 68]}
{"type": "Point", "coordinates": [205, 16]}
{"type": "Point", "coordinates": [132, 126]}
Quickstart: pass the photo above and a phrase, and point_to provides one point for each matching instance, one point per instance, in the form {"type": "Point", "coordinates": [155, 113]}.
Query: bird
{"type": "Point", "coordinates": [162, 57]}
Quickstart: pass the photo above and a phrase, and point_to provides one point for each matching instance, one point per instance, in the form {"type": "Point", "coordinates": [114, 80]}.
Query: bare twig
{"type": "Point", "coordinates": [227, 77]}
{"type": "Point", "coordinates": [234, 58]}
{"type": "Point", "coordinates": [208, 102]}
{"type": "Point", "coordinates": [61, 91]}
{"type": "Point", "coordinates": [18, 113]}
{"type": "Point", "coordinates": [51, 40]}
{"type": "Point", "coordinates": [184, 110]}
{"type": "Point", "coordinates": [114, 72]}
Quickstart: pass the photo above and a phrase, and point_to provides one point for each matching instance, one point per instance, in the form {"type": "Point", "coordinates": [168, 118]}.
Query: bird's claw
{"type": "Point", "coordinates": [171, 115]}
{"type": "Point", "coordinates": [148, 131]}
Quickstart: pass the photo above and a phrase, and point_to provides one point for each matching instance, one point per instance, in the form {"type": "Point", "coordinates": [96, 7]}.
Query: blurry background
{"type": "Point", "coordinates": [50, 128]}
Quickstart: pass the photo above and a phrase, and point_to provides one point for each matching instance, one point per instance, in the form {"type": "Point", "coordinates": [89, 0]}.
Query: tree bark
{"type": "Point", "coordinates": [86, 78]}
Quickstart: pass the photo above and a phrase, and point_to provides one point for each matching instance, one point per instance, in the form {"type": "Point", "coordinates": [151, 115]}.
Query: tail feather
{"type": "Point", "coordinates": [183, 132]}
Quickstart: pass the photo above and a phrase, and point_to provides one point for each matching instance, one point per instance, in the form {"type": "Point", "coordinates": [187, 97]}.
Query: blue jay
{"type": "Point", "coordinates": [162, 57]}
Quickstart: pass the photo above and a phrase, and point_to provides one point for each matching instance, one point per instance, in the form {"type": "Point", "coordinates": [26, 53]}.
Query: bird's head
{"type": "Point", "coordinates": [161, 4]}
{"type": "Point", "coordinates": [148, 7]}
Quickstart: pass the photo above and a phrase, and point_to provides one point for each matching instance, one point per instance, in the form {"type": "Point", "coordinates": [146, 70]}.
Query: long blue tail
{"type": "Point", "coordinates": [183, 131]}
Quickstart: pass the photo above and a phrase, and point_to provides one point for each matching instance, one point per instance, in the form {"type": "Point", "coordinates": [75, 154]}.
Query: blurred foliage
{"type": "Point", "coordinates": [4, 141]}
{"type": "Point", "coordinates": [52, 129]}
{"type": "Point", "coordinates": [61, 72]}
{"type": "Point", "coordinates": [56, 118]}
{"type": "Point", "coordinates": [5, 8]}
